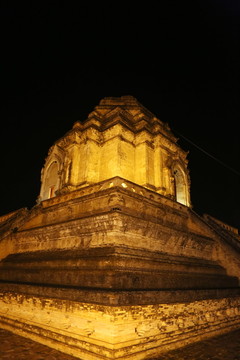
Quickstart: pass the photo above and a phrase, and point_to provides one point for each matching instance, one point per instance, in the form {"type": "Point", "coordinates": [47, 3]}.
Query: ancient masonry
{"type": "Point", "coordinates": [112, 262]}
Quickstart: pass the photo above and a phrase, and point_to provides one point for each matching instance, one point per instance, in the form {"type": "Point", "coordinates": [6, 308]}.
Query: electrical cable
{"type": "Point", "coordinates": [207, 153]}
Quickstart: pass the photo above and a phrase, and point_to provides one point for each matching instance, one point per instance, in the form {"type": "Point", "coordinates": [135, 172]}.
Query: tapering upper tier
{"type": "Point", "coordinates": [121, 138]}
{"type": "Point", "coordinates": [127, 111]}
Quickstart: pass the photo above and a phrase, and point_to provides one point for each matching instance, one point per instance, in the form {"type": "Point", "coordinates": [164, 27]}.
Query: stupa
{"type": "Point", "coordinates": [113, 262]}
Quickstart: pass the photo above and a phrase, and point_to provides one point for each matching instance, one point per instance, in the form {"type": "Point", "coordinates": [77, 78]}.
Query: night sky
{"type": "Point", "coordinates": [179, 59]}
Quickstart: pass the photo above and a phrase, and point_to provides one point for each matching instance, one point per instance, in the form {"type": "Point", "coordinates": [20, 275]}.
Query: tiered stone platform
{"type": "Point", "coordinates": [105, 272]}
{"type": "Point", "coordinates": [111, 268]}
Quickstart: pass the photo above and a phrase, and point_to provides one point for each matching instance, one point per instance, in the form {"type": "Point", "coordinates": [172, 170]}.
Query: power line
{"type": "Point", "coordinates": [207, 153]}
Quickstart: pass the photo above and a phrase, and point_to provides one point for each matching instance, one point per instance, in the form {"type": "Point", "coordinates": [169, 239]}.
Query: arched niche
{"type": "Point", "coordinates": [52, 173]}
{"type": "Point", "coordinates": [50, 180]}
{"type": "Point", "coordinates": [181, 187]}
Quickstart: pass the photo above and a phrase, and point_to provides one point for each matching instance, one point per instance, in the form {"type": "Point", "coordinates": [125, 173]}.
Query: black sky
{"type": "Point", "coordinates": [179, 59]}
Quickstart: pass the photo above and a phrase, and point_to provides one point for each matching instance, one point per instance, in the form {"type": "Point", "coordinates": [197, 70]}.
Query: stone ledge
{"type": "Point", "coordinates": [117, 298]}
{"type": "Point", "coordinates": [99, 332]}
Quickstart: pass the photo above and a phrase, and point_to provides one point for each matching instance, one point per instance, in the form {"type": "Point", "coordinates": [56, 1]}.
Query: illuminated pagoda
{"type": "Point", "coordinates": [112, 262]}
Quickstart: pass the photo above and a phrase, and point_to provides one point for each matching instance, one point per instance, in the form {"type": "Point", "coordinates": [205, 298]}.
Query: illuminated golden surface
{"type": "Point", "coordinates": [91, 331]}
{"type": "Point", "coordinates": [112, 263]}
{"type": "Point", "coordinates": [119, 138]}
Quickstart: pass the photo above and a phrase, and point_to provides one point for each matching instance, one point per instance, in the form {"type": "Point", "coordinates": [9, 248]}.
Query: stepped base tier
{"type": "Point", "coordinates": [112, 262]}
{"type": "Point", "coordinates": [114, 271]}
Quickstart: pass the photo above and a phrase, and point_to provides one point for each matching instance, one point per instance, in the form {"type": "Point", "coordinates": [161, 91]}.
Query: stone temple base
{"type": "Point", "coordinates": [115, 271]}
{"type": "Point", "coordinates": [162, 320]}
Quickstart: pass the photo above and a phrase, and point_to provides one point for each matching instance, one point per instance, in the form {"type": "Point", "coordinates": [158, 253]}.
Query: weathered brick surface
{"type": "Point", "coordinates": [117, 265]}
{"type": "Point", "coordinates": [87, 330]}
{"type": "Point", "coordinates": [225, 347]}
